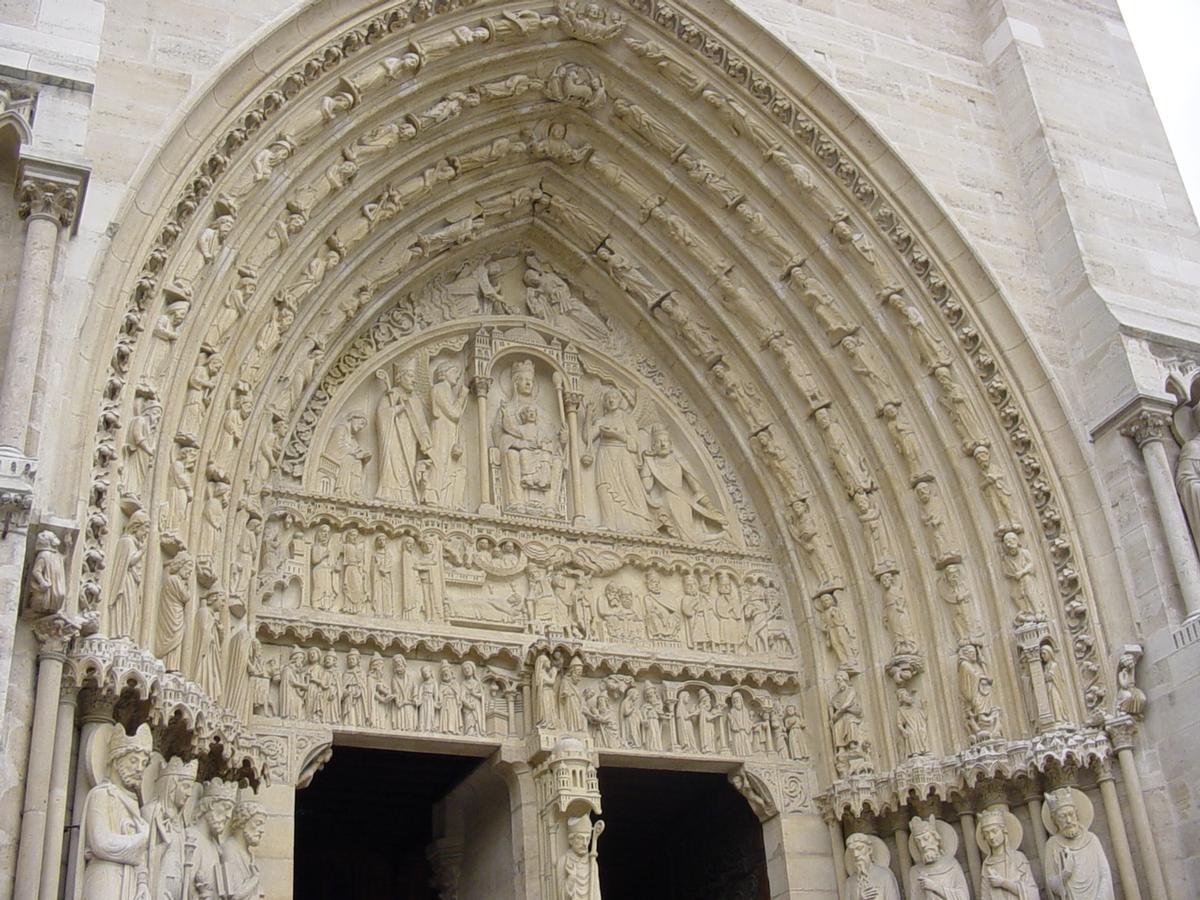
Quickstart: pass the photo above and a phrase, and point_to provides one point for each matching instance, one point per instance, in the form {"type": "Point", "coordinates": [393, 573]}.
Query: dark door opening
{"type": "Point", "coordinates": [678, 836]}
{"type": "Point", "coordinates": [363, 825]}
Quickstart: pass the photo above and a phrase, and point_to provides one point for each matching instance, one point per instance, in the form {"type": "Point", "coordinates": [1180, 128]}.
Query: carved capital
{"type": "Point", "coordinates": [1147, 426]}
{"type": "Point", "coordinates": [572, 400]}
{"type": "Point", "coordinates": [50, 190]}
{"type": "Point", "coordinates": [54, 632]}
{"type": "Point", "coordinates": [480, 385]}
{"type": "Point", "coordinates": [1121, 731]}
{"type": "Point", "coordinates": [17, 473]}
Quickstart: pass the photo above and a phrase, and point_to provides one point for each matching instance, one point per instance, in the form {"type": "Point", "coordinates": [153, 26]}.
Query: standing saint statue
{"type": "Point", "coordinates": [1076, 867]}
{"type": "Point", "coordinates": [1187, 483]}
{"type": "Point", "coordinates": [545, 693]}
{"type": "Point", "coordinates": [936, 874]}
{"type": "Point", "coordinates": [116, 837]}
{"type": "Point", "coordinates": [446, 475]}
{"type": "Point", "coordinates": [616, 455]}
{"type": "Point", "coordinates": [207, 873]}
{"type": "Point", "coordinates": [578, 873]}
{"type": "Point", "coordinates": [1006, 873]}
{"type": "Point", "coordinates": [870, 878]}
{"type": "Point", "coordinates": [402, 436]}
{"type": "Point", "coordinates": [47, 584]}
{"type": "Point", "coordinates": [246, 827]}
{"type": "Point", "coordinates": [165, 814]}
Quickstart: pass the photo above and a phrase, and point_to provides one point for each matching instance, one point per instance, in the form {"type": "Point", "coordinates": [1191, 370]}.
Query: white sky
{"type": "Point", "coordinates": [1166, 35]}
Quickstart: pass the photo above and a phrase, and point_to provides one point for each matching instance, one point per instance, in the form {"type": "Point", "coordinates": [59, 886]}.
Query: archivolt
{"type": "Point", "coordinates": [764, 240]}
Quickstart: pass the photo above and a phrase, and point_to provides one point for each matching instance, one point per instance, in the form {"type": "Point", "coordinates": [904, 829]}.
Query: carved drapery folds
{"type": "Point", "coordinates": [493, 401]}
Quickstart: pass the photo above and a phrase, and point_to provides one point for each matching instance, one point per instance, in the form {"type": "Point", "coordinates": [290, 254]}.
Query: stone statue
{"type": "Point", "coordinates": [246, 827]}
{"type": "Point", "coordinates": [47, 584]}
{"type": "Point", "coordinates": [165, 814]}
{"type": "Point", "coordinates": [324, 595]}
{"type": "Point", "coordinates": [1017, 565]}
{"type": "Point", "coordinates": [530, 452]}
{"type": "Point", "coordinates": [662, 619]}
{"type": "Point", "coordinates": [293, 684]}
{"type": "Point", "coordinates": [1187, 483]}
{"type": "Point", "coordinates": [116, 836]}
{"type": "Point", "coordinates": [867, 859]}
{"type": "Point", "coordinates": [846, 715]}
{"type": "Point", "coordinates": [383, 578]}
{"type": "Point", "coordinates": [912, 724]}
{"type": "Point", "coordinates": [402, 436]}
{"type": "Point", "coordinates": [379, 692]}
{"type": "Point", "coordinates": [354, 572]}
{"type": "Point", "coordinates": [545, 693]}
{"type": "Point", "coordinates": [793, 726]}
{"type": "Point", "coordinates": [205, 668]}
{"type": "Point", "coordinates": [1006, 873]}
{"type": "Point", "coordinates": [615, 454]}
{"type": "Point", "coordinates": [354, 692]}
{"type": "Point", "coordinates": [207, 874]}
{"type": "Point", "coordinates": [699, 617]}
{"type": "Point", "coordinates": [975, 687]}
{"type": "Point", "coordinates": [404, 703]}
{"type": "Point", "coordinates": [349, 456]}
{"type": "Point", "coordinates": [570, 698]}
{"type": "Point", "coordinates": [474, 708]}
{"type": "Point", "coordinates": [741, 726]}
{"type": "Point", "coordinates": [578, 873]}
{"type": "Point", "coordinates": [138, 451]}
{"type": "Point", "coordinates": [1131, 699]}
{"type": "Point", "coordinates": [1075, 863]}
{"type": "Point", "coordinates": [839, 636]}
{"type": "Point", "coordinates": [446, 475]}
{"type": "Point", "coordinates": [127, 576]}
{"type": "Point", "coordinates": [1056, 691]}
{"type": "Point", "coordinates": [935, 874]}
{"type": "Point", "coordinates": [674, 495]}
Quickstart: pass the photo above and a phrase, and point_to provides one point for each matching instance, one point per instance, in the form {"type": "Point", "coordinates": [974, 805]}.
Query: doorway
{"type": "Point", "coordinates": [678, 836]}
{"type": "Point", "coordinates": [365, 822]}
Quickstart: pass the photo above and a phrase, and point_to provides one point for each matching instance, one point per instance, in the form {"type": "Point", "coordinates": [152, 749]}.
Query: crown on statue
{"type": "Point", "coordinates": [993, 815]}
{"type": "Point", "coordinates": [1060, 799]}
{"type": "Point", "coordinates": [522, 367]}
{"type": "Point", "coordinates": [220, 790]}
{"type": "Point", "coordinates": [919, 826]}
{"type": "Point", "coordinates": [177, 768]}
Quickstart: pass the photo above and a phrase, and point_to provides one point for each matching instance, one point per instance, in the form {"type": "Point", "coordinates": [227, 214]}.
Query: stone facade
{"type": "Point", "coordinates": [805, 392]}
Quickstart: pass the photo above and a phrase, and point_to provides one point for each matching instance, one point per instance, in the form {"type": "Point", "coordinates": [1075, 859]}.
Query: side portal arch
{"type": "Point", "coordinates": [774, 478]}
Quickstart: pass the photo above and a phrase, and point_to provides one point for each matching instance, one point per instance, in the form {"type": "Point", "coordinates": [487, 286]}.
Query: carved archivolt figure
{"type": "Point", "coordinates": [616, 456]}
{"type": "Point", "coordinates": [205, 667]}
{"type": "Point", "coordinates": [846, 715]}
{"type": "Point", "coordinates": [1076, 866]}
{"type": "Point", "coordinates": [975, 688]}
{"type": "Point", "coordinates": [116, 836]}
{"type": "Point", "coordinates": [912, 724]}
{"type": "Point", "coordinates": [1056, 691]}
{"type": "Point", "coordinates": [896, 614]}
{"type": "Point", "coordinates": [850, 467]}
{"type": "Point", "coordinates": [199, 394]}
{"type": "Point", "coordinates": [47, 585]}
{"type": "Point", "coordinates": [446, 474]}
{"type": "Point", "coordinates": [138, 451]}
{"type": "Point", "coordinates": [1017, 565]}
{"type": "Point", "coordinates": [935, 874]}
{"type": "Point", "coordinates": [954, 591]}
{"type": "Point", "coordinates": [839, 636]}
{"type": "Point", "coordinates": [402, 434]}
{"type": "Point", "coordinates": [867, 860]}
{"type": "Point", "coordinates": [674, 494]}
{"type": "Point", "coordinates": [1006, 873]}
{"type": "Point", "coordinates": [127, 576]}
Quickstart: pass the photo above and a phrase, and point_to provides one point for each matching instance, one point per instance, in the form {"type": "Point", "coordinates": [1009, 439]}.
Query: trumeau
{"type": "Point", "coordinates": [567, 384]}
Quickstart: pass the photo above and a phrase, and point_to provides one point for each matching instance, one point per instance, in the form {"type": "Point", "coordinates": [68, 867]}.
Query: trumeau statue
{"type": "Point", "coordinates": [1076, 865]}
{"type": "Point", "coordinates": [116, 836]}
{"type": "Point", "coordinates": [578, 871]}
{"type": "Point", "coordinates": [936, 874]}
{"type": "Point", "coordinates": [1006, 873]}
{"type": "Point", "coordinates": [869, 878]}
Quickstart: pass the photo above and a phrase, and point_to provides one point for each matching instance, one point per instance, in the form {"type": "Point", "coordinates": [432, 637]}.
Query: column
{"type": "Point", "coordinates": [1116, 833]}
{"type": "Point", "coordinates": [53, 632]}
{"type": "Point", "coordinates": [966, 824]}
{"type": "Point", "coordinates": [903, 857]}
{"type": "Point", "coordinates": [837, 844]}
{"type": "Point", "coordinates": [571, 402]}
{"type": "Point", "coordinates": [1121, 733]}
{"type": "Point", "coordinates": [1148, 430]}
{"type": "Point", "coordinates": [97, 713]}
{"type": "Point", "coordinates": [479, 386]}
{"type": "Point", "coordinates": [797, 851]}
{"type": "Point", "coordinates": [60, 777]}
{"type": "Point", "coordinates": [1033, 803]}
